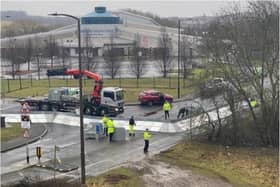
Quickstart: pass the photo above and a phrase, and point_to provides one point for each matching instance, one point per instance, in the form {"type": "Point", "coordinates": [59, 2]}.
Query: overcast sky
{"type": "Point", "coordinates": [162, 8]}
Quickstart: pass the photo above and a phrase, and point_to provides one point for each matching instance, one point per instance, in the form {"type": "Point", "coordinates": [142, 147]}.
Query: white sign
{"type": "Point", "coordinates": [25, 124]}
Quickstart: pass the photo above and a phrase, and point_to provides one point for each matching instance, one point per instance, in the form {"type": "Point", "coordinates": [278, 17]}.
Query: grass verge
{"type": "Point", "coordinates": [120, 177]}
{"type": "Point", "coordinates": [131, 86]}
{"type": "Point", "coordinates": [9, 133]}
{"type": "Point", "coordinates": [240, 166]}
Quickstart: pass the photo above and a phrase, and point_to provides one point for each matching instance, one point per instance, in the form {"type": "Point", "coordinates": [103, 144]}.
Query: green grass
{"type": "Point", "coordinates": [11, 132]}
{"type": "Point", "coordinates": [120, 177]}
{"type": "Point", "coordinates": [240, 166]}
{"type": "Point", "coordinates": [131, 87]}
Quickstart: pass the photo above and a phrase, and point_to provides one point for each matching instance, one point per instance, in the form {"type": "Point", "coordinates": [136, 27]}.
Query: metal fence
{"type": "Point", "coordinates": [12, 85]}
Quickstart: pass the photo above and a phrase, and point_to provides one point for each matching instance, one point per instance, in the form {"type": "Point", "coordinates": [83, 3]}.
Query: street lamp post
{"type": "Point", "coordinates": [139, 55]}
{"type": "Point", "coordinates": [179, 55]}
{"type": "Point", "coordinates": [83, 177]}
{"type": "Point", "coordinates": [38, 64]}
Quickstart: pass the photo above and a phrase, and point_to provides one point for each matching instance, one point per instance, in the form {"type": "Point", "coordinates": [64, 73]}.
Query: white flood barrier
{"type": "Point", "coordinates": [154, 126]}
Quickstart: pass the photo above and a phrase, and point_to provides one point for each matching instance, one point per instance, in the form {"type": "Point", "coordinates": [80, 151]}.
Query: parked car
{"type": "Point", "coordinates": [151, 97]}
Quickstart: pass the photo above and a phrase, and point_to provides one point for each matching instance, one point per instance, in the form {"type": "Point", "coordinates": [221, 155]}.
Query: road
{"type": "Point", "coordinates": [140, 112]}
{"type": "Point", "coordinates": [99, 156]}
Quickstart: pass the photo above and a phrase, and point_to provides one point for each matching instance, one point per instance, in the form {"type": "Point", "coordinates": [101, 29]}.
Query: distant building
{"type": "Point", "coordinates": [100, 23]}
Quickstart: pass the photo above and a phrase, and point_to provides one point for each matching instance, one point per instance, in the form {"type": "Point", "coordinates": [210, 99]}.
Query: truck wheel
{"type": "Point", "coordinates": [102, 112]}
{"type": "Point", "coordinates": [44, 107]}
{"type": "Point", "coordinates": [88, 111]}
{"type": "Point", "coordinates": [150, 103]}
{"type": "Point", "coordinates": [55, 108]}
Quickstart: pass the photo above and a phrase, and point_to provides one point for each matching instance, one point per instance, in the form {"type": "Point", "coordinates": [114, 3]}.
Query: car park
{"type": "Point", "coordinates": [151, 97]}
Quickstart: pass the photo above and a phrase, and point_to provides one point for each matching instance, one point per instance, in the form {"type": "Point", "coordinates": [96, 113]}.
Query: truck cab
{"type": "Point", "coordinates": [113, 96]}
{"type": "Point", "coordinates": [111, 102]}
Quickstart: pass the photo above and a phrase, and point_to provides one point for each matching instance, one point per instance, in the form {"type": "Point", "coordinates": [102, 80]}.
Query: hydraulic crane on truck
{"type": "Point", "coordinates": [102, 101]}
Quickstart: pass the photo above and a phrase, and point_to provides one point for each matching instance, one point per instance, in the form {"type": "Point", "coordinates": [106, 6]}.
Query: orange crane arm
{"type": "Point", "coordinates": [98, 81]}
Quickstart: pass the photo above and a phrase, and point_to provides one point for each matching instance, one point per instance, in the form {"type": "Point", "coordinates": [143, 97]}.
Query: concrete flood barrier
{"type": "Point", "coordinates": [153, 126]}
{"type": "Point", "coordinates": [120, 134]}
{"type": "Point", "coordinates": [94, 130]}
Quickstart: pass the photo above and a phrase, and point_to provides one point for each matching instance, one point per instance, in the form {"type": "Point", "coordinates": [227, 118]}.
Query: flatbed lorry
{"type": "Point", "coordinates": [109, 101]}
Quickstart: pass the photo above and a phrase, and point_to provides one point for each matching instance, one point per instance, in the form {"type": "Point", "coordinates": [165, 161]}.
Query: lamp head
{"type": "Point", "coordinates": [53, 14]}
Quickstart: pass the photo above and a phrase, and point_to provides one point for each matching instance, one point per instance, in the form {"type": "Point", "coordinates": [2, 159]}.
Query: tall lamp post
{"type": "Point", "coordinates": [179, 55]}
{"type": "Point", "coordinates": [83, 176]}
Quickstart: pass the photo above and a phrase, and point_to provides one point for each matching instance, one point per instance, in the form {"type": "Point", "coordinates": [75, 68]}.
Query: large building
{"type": "Point", "coordinates": [118, 29]}
{"type": "Point", "coordinates": [102, 29]}
{"type": "Point", "coordinates": [100, 23]}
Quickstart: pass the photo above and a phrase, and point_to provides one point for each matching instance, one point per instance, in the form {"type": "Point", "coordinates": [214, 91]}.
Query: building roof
{"type": "Point", "coordinates": [99, 12]}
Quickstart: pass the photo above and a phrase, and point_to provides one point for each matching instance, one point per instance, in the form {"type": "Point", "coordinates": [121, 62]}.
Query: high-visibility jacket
{"type": "Point", "coordinates": [111, 126]}
{"type": "Point", "coordinates": [105, 120]}
{"type": "Point", "coordinates": [253, 103]}
{"type": "Point", "coordinates": [166, 106]}
{"type": "Point", "coordinates": [147, 135]}
{"type": "Point", "coordinates": [131, 125]}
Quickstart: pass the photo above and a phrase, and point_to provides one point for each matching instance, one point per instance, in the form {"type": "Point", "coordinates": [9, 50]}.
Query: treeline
{"type": "Point", "coordinates": [16, 28]}
{"type": "Point", "coordinates": [245, 47]}
{"type": "Point", "coordinates": [162, 21]}
{"type": "Point", "coordinates": [15, 23]}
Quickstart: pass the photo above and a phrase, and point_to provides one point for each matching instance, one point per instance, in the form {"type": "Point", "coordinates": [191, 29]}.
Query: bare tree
{"type": "Point", "coordinates": [51, 48]}
{"type": "Point", "coordinates": [164, 53]}
{"type": "Point", "coordinates": [12, 54]}
{"type": "Point", "coordinates": [112, 59]}
{"type": "Point", "coordinates": [138, 64]}
{"type": "Point", "coordinates": [15, 55]}
{"type": "Point", "coordinates": [249, 45]}
{"type": "Point", "coordinates": [28, 52]}
{"type": "Point", "coordinates": [88, 52]}
{"type": "Point", "coordinates": [186, 53]}
{"type": "Point", "coordinates": [63, 53]}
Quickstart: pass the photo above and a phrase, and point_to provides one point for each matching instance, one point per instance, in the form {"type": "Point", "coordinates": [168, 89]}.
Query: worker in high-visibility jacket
{"type": "Point", "coordinates": [105, 126]}
{"type": "Point", "coordinates": [131, 126]}
{"type": "Point", "coordinates": [111, 129]}
{"type": "Point", "coordinates": [147, 137]}
{"type": "Point", "coordinates": [166, 108]}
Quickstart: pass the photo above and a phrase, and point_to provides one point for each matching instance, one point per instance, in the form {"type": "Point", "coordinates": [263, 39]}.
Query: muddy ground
{"type": "Point", "coordinates": [160, 174]}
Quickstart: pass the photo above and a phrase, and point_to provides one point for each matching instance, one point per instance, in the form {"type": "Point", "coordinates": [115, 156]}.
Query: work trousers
{"type": "Point", "coordinates": [166, 114]}
{"type": "Point", "coordinates": [110, 137]}
{"type": "Point", "coordinates": [105, 132]}
{"type": "Point", "coordinates": [131, 130]}
{"type": "Point", "coordinates": [146, 147]}
{"type": "Point", "coordinates": [182, 113]}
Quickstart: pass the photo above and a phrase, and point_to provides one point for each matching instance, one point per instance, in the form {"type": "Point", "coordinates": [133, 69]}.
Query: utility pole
{"type": "Point", "coordinates": [179, 55]}
{"type": "Point", "coordinates": [83, 172]}
{"type": "Point", "coordinates": [191, 56]}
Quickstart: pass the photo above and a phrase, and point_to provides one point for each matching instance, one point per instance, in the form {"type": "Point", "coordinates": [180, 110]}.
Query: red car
{"type": "Point", "coordinates": [151, 97]}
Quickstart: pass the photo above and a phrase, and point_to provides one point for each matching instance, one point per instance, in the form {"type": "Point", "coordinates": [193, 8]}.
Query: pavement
{"type": "Point", "coordinates": [36, 132]}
